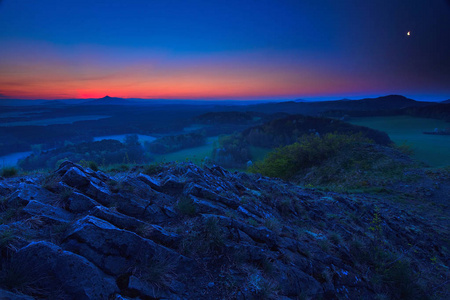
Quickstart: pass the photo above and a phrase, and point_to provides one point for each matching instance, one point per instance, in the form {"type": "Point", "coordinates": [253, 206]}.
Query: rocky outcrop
{"type": "Point", "coordinates": [114, 250]}
{"type": "Point", "coordinates": [62, 274]}
{"type": "Point", "coordinates": [207, 233]}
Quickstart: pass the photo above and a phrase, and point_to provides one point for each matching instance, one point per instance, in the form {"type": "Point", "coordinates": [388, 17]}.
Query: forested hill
{"type": "Point", "coordinates": [385, 103]}
{"type": "Point", "coordinates": [287, 130]}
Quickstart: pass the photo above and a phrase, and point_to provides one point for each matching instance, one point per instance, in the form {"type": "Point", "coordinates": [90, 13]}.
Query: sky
{"type": "Point", "coordinates": [246, 49]}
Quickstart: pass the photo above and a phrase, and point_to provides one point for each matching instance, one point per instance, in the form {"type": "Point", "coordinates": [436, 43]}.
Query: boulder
{"type": "Point", "coordinates": [204, 206]}
{"type": "Point", "coordinates": [258, 234]}
{"type": "Point", "coordinates": [149, 231]}
{"type": "Point", "coordinates": [172, 185]}
{"type": "Point", "coordinates": [78, 203]}
{"type": "Point", "coordinates": [113, 250]}
{"type": "Point", "coordinates": [27, 192]}
{"type": "Point", "coordinates": [5, 189]}
{"type": "Point", "coordinates": [99, 191]}
{"type": "Point", "coordinates": [218, 170]}
{"type": "Point", "coordinates": [137, 187]}
{"type": "Point", "coordinates": [69, 275]}
{"type": "Point", "coordinates": [150, 181]}
{"type": "Point", "coordinates": [205, 193]}
{"type": "Point", "coordinates": [138, 207]}
{"type": "Point", "coordinates": [76, 178]}
{"type": "Point", "coordinates": [65, 166]}
{"type": "Point", "coordinates": [86, 181]}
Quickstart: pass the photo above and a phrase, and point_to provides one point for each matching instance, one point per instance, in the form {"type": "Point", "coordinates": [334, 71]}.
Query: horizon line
{"type": "Point", "coordinates": [270, 99]}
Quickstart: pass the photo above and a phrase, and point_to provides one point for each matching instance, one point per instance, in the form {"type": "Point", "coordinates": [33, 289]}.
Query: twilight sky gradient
{"type": "Point", "coordinates": [246, 49]}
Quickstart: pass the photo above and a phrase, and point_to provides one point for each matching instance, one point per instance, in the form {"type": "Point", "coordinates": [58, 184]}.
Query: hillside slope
{"type": "Point", "coordinates": [186, 232]}
{"type": "Point", "coordinates": [369, 105]}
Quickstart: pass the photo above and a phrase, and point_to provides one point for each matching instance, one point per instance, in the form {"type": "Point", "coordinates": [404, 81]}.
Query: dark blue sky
{"type": "Point", "coordinates": [224, 49]}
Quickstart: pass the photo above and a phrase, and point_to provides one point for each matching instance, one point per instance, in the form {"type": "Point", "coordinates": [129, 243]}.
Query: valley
{"type": "Point", "coordinates": [241, 200]}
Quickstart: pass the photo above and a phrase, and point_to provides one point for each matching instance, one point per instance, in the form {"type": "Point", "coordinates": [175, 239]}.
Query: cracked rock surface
{"type": "Point", "coordinates": [205, 233]}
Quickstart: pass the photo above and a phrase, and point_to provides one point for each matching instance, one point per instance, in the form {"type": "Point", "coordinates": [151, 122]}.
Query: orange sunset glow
{"type": "Point", "coordinates": [58, 73]}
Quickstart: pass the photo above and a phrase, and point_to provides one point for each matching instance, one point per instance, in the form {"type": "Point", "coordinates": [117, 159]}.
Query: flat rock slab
{"type": "Point", "coordinates": [52, 213]}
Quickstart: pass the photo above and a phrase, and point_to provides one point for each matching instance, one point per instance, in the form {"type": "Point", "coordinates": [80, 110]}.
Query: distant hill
{"type": "Point", "coordinates": [385, 103]}
{"type": "Point", "coordinates": [434, 111]}
{"type": "Point", "coordinates": [446, 101]}
{"type": "Point", "coordinates": [54, 103]}
{"type": "Point", "coordinates": [107, 100]}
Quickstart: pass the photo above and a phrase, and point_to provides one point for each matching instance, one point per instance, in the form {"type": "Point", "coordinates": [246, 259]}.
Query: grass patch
{"type": "Point", "coordinates": [153, 169]}
{"type": "Point", "coordinates": [204, 239]}
{"type": "Point", "coordinates": [157, 270]}
{"type": "Point", "coordinates": [89, 164]}
{"type": "Point", "coordinates": [51, 181]}
{"type": "Point", "coordinates": [10, 214]}
{"type": "Point", "coordinates": [432, 149]}
{"type": "Point", "coordinates": [309, 151]}
{"type": "Point", "coordinates": [335, 238]}
{"type": "Point", "coordinates": [197, 155]}
{"type": "Point", "coordinates": [6, 236]}
{"type": "Point", "coordinates": [8, 172]}
{"type": "Point", "coordinates": [186, 206]}
{"type": "Point", "coordinates": [213, 235]}
{"type": "Point", "coordinates": [390, 272]}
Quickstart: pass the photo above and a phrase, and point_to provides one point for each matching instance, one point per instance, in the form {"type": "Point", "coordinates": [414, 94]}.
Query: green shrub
{"type": "Point", "coordinates": [335, 238]}
{"type": "Point", "coordinates": [9, 172]}
{"type": "Point", "coordinates": [153, 169]}
{"type": "Point", "coordinates": [65, 194]}
{"type": "Point", "coordinates": [390, 271]}
{"type": "Point", "coordinates": [402, 280]}
{"type": "Point", "coordinates": [214, 237]}
{"type": "Point", "coordinates": [93, 166]}
{"type": "Point", "coordinates": [59, 162]}
{"type": "Point", "coordinates": [10, 214]}
{"type": "Point", "coordinates": [5, 237]}
{"type": "Point", "coordinates": [405, 148]}
{"type": "Point", "coordinates": [51, 181]}
{"type": "Point", "coordinates": [89, 164]}
{"type": "Point", "coordinates": [204, 238]}
{"type": "Point", "coordinates": [157, 270]}
{"type": "Point", "coordinates": [310, 150]}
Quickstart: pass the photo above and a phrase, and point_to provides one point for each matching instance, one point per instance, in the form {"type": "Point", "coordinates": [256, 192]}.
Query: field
{"type": "Point", "coordinates": [196, 154]}
{"type": "Point", "coordinates": [258, 153]}
{"type": "Point", "coordinates": [431, 149]}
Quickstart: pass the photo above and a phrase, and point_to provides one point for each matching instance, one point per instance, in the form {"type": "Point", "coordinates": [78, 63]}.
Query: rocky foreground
{"type": "Point", "coordinates": [187, 232]}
